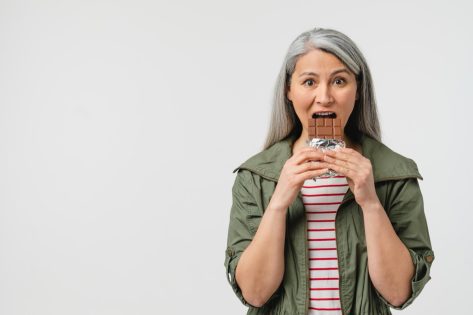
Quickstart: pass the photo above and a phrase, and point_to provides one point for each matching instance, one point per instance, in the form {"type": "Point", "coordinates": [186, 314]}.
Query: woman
{"type": "Point", "coordinates": [356, 243]}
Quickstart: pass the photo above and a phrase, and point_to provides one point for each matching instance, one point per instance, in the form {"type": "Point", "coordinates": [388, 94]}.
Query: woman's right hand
{"type": "Point", "coordinates": [305, 164]}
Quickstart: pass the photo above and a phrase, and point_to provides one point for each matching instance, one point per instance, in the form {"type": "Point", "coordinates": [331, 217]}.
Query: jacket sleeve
{"type": "Point", "coordinates": [406, 212]}
{"type": "Point", "coordinates": [244, 211]}
{"type": "Point", "coordinates": [245, 216]}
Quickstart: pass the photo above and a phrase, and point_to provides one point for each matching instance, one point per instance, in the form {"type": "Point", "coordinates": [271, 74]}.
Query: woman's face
{"type": "Point", "coordinates": [322, 83]}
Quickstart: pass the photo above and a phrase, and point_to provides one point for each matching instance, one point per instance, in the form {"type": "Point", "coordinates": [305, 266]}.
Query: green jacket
{"type": "Point", "coordinates": [398, 190]}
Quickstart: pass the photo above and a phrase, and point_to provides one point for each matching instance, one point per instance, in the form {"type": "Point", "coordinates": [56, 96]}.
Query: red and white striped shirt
{"type": "Point", "coordinates": [321, 200]}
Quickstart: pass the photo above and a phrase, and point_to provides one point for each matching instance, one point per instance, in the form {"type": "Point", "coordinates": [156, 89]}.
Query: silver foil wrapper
{"type": "Point", "coordinates": [326, 145]}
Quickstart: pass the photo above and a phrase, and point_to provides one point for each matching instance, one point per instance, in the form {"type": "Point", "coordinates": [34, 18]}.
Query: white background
{"type": "Point", "coordinates": [121, 123]}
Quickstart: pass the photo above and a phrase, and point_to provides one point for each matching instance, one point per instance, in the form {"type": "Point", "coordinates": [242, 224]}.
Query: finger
{"type": "Point", "coordinates": [349, 162]}
{"type": "Point", "coordinates": [312, 174]}
{"type": "Point", "coordinates": [339, 162]}
{"type": "Point", "coordinates": [345, 171]}
{"type": "Point", "coordinates": [338, 155]}
{"type": "Point", "coordinates": [345, 154]}
{"type": "Point", "coordinates": [348, 150]}
{"type": "Point", "coordinates": [309, 166]}
{"type": "Point", "coordinates": [308, 155]}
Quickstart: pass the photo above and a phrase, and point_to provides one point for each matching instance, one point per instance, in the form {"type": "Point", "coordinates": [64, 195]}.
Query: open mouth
{"type": "Point", "coordinates": [324, 115]}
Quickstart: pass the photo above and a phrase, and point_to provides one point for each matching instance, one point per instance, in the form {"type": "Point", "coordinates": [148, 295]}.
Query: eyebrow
{"type": "Point", "coordinates": [333, 73]}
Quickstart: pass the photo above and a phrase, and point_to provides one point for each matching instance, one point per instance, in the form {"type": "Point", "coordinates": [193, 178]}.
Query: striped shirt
{"type": "Point", "coordinates": [321, 201]}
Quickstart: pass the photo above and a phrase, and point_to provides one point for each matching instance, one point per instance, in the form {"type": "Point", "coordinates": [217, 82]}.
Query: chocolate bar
{"type": "Point", "coordinates": [325, 128]}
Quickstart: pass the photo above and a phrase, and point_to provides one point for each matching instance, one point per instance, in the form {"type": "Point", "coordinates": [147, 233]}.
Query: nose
{"type": "Point", "coordinates": [323, 95]}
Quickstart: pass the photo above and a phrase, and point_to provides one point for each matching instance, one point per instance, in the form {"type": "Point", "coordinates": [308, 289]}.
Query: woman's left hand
{"type": "Point", "coordinates": [358, 171]}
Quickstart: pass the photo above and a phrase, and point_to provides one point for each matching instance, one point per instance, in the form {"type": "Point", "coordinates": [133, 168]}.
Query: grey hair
{"type": "Point", "coordinates": [364, 118]}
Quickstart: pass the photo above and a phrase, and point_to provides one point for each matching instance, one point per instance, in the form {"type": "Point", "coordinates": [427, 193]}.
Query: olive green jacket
{"type": "Point", "coordinates": [398, 190]}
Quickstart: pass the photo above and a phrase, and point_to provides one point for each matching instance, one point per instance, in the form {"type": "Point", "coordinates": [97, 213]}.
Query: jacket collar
{"type": "Point", "coordinates": [387, 164]}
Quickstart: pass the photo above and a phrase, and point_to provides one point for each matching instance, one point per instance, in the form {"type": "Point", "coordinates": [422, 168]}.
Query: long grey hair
{"type": "Point", "coordinates": [364, 118]}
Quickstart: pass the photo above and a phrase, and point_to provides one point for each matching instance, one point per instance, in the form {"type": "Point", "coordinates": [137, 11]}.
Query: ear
{"type": "Point", "coordinates": [288, 93]}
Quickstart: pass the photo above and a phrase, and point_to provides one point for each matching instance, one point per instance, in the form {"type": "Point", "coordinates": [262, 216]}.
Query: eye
{"type": "Point", "coordinates": [339, 81]}
{"type": "Point", "coordinates": [309, 82]}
